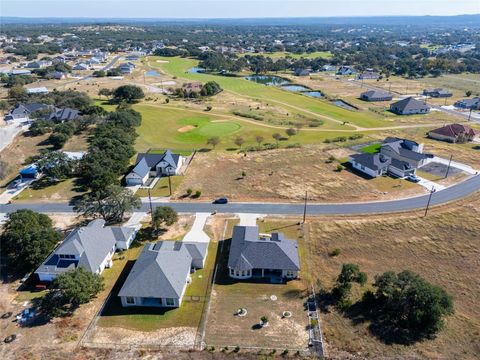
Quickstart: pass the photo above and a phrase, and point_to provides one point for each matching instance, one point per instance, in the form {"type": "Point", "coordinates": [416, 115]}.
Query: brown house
{"type": "Point", "coordinates": [454, 133]}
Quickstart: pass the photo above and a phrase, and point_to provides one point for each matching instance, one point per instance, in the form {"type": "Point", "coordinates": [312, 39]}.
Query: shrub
{"type": "Point", "coordinates": [244, 173]}
{"type": "Point", "coordinates": [197, 194]}
{"type": "Point", "coordinates": [237, 349]}
{"type": "Point", "coordinates": [339, 168]}
{"type": "Point", "coordinates": [294, 146]}
{"type": "Point", "coordinates": [335, 252]}
{"type": "Point", "coordinates": [208, 108]}
{"type": "Point", "coordinates": [189, 192]}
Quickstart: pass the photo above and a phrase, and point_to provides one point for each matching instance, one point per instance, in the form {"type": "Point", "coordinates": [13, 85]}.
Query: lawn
{"type": "Point", "coordinates": [175, 128]}
{"type": "Point", "coordinates": [322, 109]}
{"type": "Point", "coordinates": [150, 319]}
{"type": "Point", "coordinates": [442, 247]}
{"type": "Point", "coordinates": [371, 149]}
{"type": "Point", "coordinates": [161, 188]}
{"type": "Point", "coordinates": [228, 295]}
{"type": "Point", "coordinates": [61, 191]}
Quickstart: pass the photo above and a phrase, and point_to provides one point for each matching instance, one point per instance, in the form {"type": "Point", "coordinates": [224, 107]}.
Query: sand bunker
{"type": "Point", "coordinates": [162, 61]}
{"type": "Point", "coordinates": [186, 128]}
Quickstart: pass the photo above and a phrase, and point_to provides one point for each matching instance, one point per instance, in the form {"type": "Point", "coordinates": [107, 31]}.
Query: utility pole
{"type": "Point", "coordinates": [150, 201]}
{"type": "Point", "coordinates": [429, 199]}
{"type": "Point", "coordinates": [170, 185]}
{"type": "Point", "coordinates": [305, 208]}
{"type": "Point", "coordinates": [448, 168]}
{"type": "Point", "coordinates": [470, 114]}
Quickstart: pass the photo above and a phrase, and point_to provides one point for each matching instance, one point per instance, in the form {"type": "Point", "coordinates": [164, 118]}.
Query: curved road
{"type": "Point", "coordinates": [455, 192]}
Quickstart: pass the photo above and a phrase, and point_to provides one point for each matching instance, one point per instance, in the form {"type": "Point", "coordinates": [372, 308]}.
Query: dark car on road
{"type": "Point", "coordinates": [222, 200]}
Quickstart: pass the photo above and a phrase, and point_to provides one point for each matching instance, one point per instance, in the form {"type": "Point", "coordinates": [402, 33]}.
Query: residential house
{"type": "Point", "coordinates": [254, 255]}
{"type": "Point", "coordinates": [39, 64]}
{"type": "Point", "coordinates": [302, 72]}
{"type": "Point", "coordinates": [91, 247]}
{"type": "Point", "coordinates": [454, 133]}
{"type": "Point", "coordinates": [409, 106]}
{"type": "Point", "coordinates": [473, 103]}
{"type": "Point", "coordinates": [14, 72]}
{"type": "Point", "coordinates": [81, 67]}
{"type": "Point", "coordinates": [346, 70]}
{"type": "Point", "coordinates": [22, 112]}
{"type": "Point", "coordinates": [369, 75]}
{"type": "Point", "coordinates": [376, 95]}
{"type": "Point", "coordinates": [161, 273]}
{"type": "Point", "coordinates": [438, 93]}
{"type": "Point", "coordinates": [57, 75]}
{"type": "Point", "coordinates": [63, 114]}
{"type": "Point", "coordinates": [126, 68]}
{"type": "Point", "coordinates": [397, 157]}
{"type": "Point", "coordinates": [154, 165]}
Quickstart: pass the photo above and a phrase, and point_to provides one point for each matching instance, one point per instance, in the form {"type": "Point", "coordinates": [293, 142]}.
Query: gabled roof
{"type": "Point", "coordinates": [153, 159]}
{"type": "Point", "coordinates": [142, 168]}
{"type": "Point", "coordinates": [250, 251]}
{"type": "Point", "coordinates": [90, 244]}
{"type": "Point", "coordinates": [376, 94]}
{"type": "Point", "coordinates": [404, 148]}
{"type": "Point", "coordinates": [454, 130]}
{"type": "Point", "coordinates": [401, 165]}
{"type": "Point", "coordinates": [409, 103]}
{"type": "Point", "coordinates": [161, 270]}
{"type": "Point", "coordinates": [372, 161]}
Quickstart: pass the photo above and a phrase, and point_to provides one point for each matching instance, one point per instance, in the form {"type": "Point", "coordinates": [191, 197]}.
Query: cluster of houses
{"type": "Point", "coordinates": [32, 111]}
{"type": "Point", "coordinates": [162, 272]}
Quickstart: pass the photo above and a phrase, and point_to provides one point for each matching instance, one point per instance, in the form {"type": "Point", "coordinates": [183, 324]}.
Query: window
{"type": "Point", "coordinates": [130, 300]}
{"type": "Point", "coordinates": [169, 301]}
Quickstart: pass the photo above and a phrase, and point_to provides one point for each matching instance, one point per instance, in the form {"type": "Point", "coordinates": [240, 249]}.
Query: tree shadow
{"type": "Point", "coordinates": [204, 150]}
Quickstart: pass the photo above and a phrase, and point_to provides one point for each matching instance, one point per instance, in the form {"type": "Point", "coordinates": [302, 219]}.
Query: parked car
{"type": "Point", "coordinates": [222, 200]}
{"type": "Point", "coordinates": [413, 178]}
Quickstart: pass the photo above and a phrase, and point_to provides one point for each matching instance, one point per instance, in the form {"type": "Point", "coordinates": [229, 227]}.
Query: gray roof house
{"type": "Point", "coordinates": [262, 256]}
{"type": "Point", "coordinates": [376, 95]}
{"type": "Point", "coordinates": [397, 157]}
{"type": "Point", "coordinates": [369, 75]}
{"type": "Point", "coordinates": [473, 103]}
{"type": "Point", "coordinates": [438, 93]}
{"type": "Point", "coordinates": [23, 111]}
{"type": "Point", "coordinates": [166, 164]}
{"type": "Point", "coordinates": [409, 106]}
{"type": "Point", "coordinates": [90, 247]}
{"type": "Point", "coordinates": [161, 273]}
{"type": "Point", "coordinates": [302, 72]}
{"type": "Point", "coordinates": [62, 115]}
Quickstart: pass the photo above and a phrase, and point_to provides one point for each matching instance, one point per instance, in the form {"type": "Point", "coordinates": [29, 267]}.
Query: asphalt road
{"type": "Point", "coordinates": [455, 192]}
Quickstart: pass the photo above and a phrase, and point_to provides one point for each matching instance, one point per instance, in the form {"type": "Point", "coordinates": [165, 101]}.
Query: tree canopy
{"type": "Point", "coordinates": [128, 93]}
{"type": "Point", "coordinates": [28, 239]}
{"type": "Point", "coordinates": [164, 215]}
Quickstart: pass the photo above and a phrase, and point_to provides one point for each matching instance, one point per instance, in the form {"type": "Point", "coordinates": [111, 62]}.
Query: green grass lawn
{"type": "Point", "coordinates": [162, 128]}
{"type": "Point", "coordinates": [179, 67]}
{"type": "Point", "coordinates": [371, 149]}
{"type": "Point", "coordinates": [161, 188]}
{"type": "Point", "coordinates": [63, 190]}
{"type": "Point", "coordinates": [150, 319]}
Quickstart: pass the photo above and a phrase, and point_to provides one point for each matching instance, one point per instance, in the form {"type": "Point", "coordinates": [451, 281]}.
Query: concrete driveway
{"type": "Point", "coordinates": [13, 191]}
{"type": "Point", "coordinates": [196, 233]}
{"type": "Point", "coordinates": [9, 131]}
{"type": "Point", "coordinates": [248, 219]}
{"type": "Point", "coordinates": [429, 185]}
{"type": "Point", "coordinates": [468, 169]}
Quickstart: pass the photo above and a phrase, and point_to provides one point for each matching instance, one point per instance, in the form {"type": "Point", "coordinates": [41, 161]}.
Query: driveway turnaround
{"type": "Point", "coordinates": [248, 219]}
{"type": "Point", "coordinates": [451, 193]}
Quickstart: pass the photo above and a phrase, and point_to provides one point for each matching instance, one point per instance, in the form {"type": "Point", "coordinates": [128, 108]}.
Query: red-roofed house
{"type": "Point", "coordinates": [454, 133]}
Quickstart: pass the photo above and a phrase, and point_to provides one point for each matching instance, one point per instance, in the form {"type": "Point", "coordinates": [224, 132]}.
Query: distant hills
{"type": "Point", "coordinates": [459, 20]}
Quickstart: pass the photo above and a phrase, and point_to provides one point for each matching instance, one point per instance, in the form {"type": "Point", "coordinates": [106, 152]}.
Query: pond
{"type": "Point", "coordinates": [344, 105]}
{"type": "Point", "coordinates": [315, 94]}
{"type": "Point", "coordinates": [152, 73]}
{"type": "Point", "coordinates": [196, 70]}
{"type": "Point", "coordinates": [269, 80]}
{"type": "Point", "coordinates": [295, 88]}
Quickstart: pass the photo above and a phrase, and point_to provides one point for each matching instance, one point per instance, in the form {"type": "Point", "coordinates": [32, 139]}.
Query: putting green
{"type": "Point", "coordinates": [218, 128]}
{"type": "Point", "coordinates": [203, 128]}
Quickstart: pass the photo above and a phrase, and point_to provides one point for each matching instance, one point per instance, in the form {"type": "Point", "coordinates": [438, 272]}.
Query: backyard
{"type": "Point", "coordinates": [259, 299]}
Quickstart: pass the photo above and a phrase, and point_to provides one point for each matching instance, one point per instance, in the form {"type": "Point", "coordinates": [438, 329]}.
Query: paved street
{"type": "Point", "coordinates": [455, 192]}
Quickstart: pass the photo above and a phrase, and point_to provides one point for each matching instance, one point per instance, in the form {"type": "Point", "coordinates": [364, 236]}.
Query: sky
{"type": "Point", "coordinates": [233, 8]}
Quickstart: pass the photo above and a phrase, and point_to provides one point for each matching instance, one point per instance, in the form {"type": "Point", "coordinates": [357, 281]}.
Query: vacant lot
{"type": "Point", "coordinates": [286, 175]}
{"type": "Point", "coordinates": [443, 248]}
{"type": "Point", "coordinates": [224, 328]}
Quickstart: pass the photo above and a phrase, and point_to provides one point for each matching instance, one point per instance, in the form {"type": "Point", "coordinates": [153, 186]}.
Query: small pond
{"type": "Point", "coordinates": [295, 88]}
{"type": "Point", "coordinates": [196, 70]}
{"type": "Point", "coordinates": [344, 105]}
{"type": "Point", "coordinates": [269, 80]}
{"type": "Point", "coordinates": [315, 94]}
{"type": "Point", "coordinates": [152, 73]}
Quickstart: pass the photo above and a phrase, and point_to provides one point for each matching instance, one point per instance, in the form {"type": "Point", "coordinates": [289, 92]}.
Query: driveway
{"type": "Point", "coordinates": [429, 185]}
{"type": "Point", "coordinates": [468, 169]}
{"type": "Point", "coordinates": [248, 219]}
{"type": "Point", "coordinates": [9, 131]}
{"type": "Point", "coordinates": [135, 220]}
{"type": "Point", "coordinates": [196, 233]}
{"type": "Point", "coordinates": [13, 191]}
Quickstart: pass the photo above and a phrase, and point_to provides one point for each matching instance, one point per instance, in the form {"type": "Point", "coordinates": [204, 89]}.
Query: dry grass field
{"type": "Point", "coordinates": [285, 175]}
{"type": "Point", "coordinates": [443, 248]}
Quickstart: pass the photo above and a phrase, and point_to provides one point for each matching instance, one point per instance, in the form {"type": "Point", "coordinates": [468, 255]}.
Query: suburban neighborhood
{"type": "Point", "coordinates": [245, 181]}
